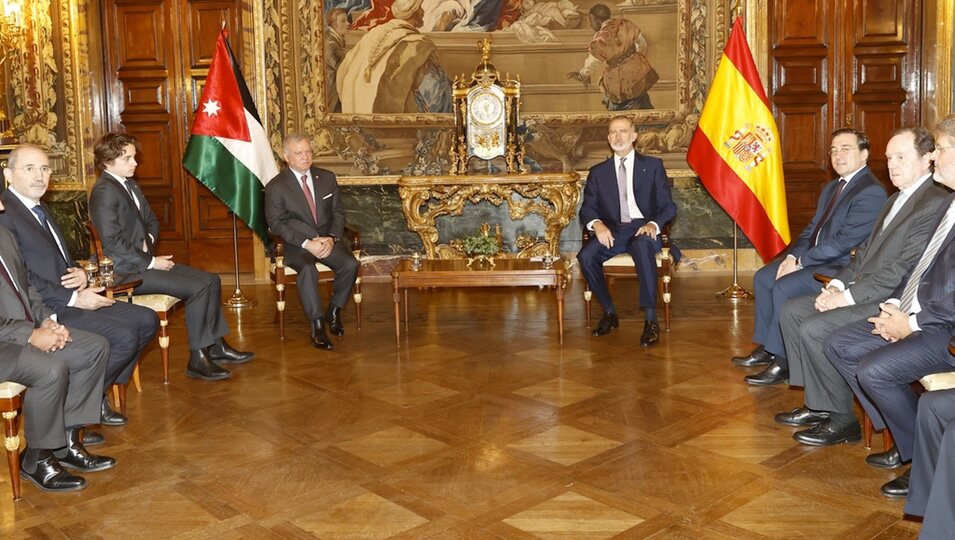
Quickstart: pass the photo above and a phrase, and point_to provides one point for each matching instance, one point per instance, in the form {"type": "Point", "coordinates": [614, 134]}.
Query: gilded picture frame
{"type": "Point", "coordinates": [370, 143]}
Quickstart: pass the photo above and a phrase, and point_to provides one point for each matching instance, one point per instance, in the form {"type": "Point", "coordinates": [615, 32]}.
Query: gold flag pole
{"type": "Point", "coordinates": [735, 291]}
{"type": "Point", "coordinates": [238, 300]}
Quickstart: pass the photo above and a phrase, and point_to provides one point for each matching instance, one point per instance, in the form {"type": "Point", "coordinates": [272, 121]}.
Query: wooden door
{"type": "Point", "coordinates": [838, 63]}
{"type": "Point", "coordinates": [157, 54]}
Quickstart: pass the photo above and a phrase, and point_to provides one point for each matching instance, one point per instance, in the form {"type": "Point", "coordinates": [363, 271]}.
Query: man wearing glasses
{"type": "Point", "coordinates": [845, 214]}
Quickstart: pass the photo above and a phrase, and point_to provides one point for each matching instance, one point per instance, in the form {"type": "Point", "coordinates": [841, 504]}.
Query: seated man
{"type": "Point", "coordinates": [61, 284]}
{"type": "Point", "coordinates": [880, 357]}
{"type": "Point", "coordinates": [900, 235]}
{"type": "Point", "coordinates": [302, 206]}
{"type": "Point", "coordinates": [626, 203]}
{"type": "Point", "coordinates": [932, 485]}
{"type": "Point", "coordinates": [63, 370]}
{"type": "Point", "coordinates": [129, 231]}
{"type": "Point", "coordinates": [845, 214]}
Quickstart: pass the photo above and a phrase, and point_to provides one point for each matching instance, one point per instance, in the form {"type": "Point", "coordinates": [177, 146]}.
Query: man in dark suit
{"type": "Point", "coordinates": [896, 243]}
{"type": "Point", "coordinates": [302, 206]}
{"type": "Point", "coordinates": [880, 357]}
{"type": "Point", "coordinates": [129, 231]}
{"type": "Point", "coordinates": [845, 215]}
{"type": "Point", "coordinates": [627, 202]}
{"type": "Point", "coordinates": [932, 492]}
{"type": "Point", "coordinates": [61, 283]}
{"type": "Point", "coordinates": [62, 369]}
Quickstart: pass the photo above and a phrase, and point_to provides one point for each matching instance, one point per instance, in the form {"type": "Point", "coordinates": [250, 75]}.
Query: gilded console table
{"type": "Point", "coordinates": [553, 196]}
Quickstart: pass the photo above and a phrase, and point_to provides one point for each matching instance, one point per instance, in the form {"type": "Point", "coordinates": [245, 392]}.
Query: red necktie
{"type": "Point", "coordinates": [309, 198]}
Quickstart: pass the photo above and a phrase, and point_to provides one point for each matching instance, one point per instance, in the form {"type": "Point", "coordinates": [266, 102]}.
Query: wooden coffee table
{"type": "Point", "coordinates": [455, 273]}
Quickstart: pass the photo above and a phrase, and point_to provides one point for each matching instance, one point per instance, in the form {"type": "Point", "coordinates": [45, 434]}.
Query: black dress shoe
{"type": "Point", "coordinates": [769, 376]}
{"type": "Point", "coordinates": [92, 438]}
{"type": "Point", "coordinates": [651, 333]}
{"type": "Point", "coordinates": [47, 473]}
{"type": "Point", "coordinates": [801, 416]}
{"type": "Point", "coordinates": [319, 337]}
{"type": "Point", "coordinates": [759, 357]}
{"type": "Point", "coordinates": [823, 434]}
{"type": "Point", "coordinates": [200, 367]}
{"type": "Point", "coordinates": [75, 456]}
{"type": "Point", "coordinates": [223, 353]}
{"type": "Point", "coordinates": [333, 317]}
{"type": "Point", "coordinates": [109, 417]}
{"type": "Point", "coordinates": [898, 488]}
{"type": "Point", "coordinates": [890, 459]}
{"type": "Point", "coordinates": [607, 323]}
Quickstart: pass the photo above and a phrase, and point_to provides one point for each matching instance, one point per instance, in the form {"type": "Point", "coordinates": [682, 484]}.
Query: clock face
{"type": "Point", "coordinates": [486, 108]}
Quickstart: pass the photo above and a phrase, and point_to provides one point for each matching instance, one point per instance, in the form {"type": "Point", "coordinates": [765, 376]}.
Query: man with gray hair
{"type": "Point", "coordinates": [303, 207]}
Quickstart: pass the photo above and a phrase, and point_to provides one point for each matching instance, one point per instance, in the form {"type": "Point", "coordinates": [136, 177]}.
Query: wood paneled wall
{"type": "Point", "coordinates": [157, 55]}
{"type": "Point", "coordinates": [840, 63]}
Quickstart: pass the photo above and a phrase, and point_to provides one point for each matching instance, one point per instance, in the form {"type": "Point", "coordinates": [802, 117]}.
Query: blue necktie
{"type": "Point", "coordinates": [38, 210]}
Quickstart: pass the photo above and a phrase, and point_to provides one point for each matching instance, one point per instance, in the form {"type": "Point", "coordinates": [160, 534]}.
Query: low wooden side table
{"type": "Point", "coordinates": [455, 273]}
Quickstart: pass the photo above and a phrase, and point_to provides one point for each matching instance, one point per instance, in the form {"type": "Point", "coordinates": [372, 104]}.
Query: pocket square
{"type": "Point", "coordinates": [326, 196]}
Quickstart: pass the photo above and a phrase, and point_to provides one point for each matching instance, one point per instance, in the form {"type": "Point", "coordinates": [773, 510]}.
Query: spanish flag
{"type": "Point", "coordinates": [737, 153]}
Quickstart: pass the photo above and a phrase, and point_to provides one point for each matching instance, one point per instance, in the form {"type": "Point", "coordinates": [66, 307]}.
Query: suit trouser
{"type": "Point", "coordinates": [341, 261]}
{"type": "Point", "coordinates": [932, 484]}
{"type": "Point", "coordinates": [65, 387]}
{"type": "Point", "coordinates": [127, 327]}
{"type": "Point", "coordinates": [771, 295]}
{"type": "Point", "coordinates": [201, 291]}
{"type": "Point", "coordinates": [641, 248]}
{"type": "Point", "coordinates": [880, 375]}
{"type": "Point", "coordinates": [804, 332]}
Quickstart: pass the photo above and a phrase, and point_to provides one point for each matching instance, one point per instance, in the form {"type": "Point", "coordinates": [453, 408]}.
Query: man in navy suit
{"type": "Point", "coordinates": [846, 212]}
{"type": "Point", "coordinates": [303, 207]}
{"type": "Point", "coordinates": [932, 492]}
{"type": "Point", "coordinates": [627, 202]}
{"type": "Point", "coordinates": [881, 356]}
{"type": "Point", "coordinates": [62, 284]}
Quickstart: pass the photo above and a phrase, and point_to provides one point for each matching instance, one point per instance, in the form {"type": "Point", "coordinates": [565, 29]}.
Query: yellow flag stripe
{"type": "Point", "coordinates": [748, 112]}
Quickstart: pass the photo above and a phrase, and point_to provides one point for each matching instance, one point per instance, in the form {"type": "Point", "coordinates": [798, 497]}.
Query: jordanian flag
{"type": "Point", "coordinates": [737, 153]}
{"type": "Point", "coordinates": [228, 150]}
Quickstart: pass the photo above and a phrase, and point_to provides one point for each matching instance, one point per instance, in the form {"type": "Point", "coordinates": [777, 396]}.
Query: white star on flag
{"type": "Point", "coordinates": [211, 108]}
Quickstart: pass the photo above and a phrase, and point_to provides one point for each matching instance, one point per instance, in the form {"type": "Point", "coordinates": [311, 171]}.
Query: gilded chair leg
{"type": "Point", "coordinates": [117, 402]}
{"type": "Point", "coordinates": [120, 390]}
{"type": "Point", "coordinates": [666, 301]}
{"type": "Point", "coordinates": [136, 382]}
{"type": "Point", "coordinates": [867, 431]}
{"type": "Point", "coordinates": [12, 443]}
{"type": "Point", "coordinates": [280, 308]}
{"type": "Point", "coordinates": [587, 297]}
{"type": "Point", "coordinates": [356, 296]}
{"type": "Point", "coordinates": [887, 441]}
{"type": "Point", "coordinates": [164, 345]}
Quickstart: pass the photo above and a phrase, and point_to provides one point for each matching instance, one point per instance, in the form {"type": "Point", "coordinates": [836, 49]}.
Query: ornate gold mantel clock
{"type": "Point", "coordinates": [486, 110]}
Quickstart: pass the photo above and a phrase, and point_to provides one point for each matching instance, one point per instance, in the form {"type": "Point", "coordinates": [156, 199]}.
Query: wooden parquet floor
{"type": "Point", "coordinates": [480, 426]}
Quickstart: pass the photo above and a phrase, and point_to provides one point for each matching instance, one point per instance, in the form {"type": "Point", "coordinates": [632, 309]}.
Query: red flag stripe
{"type": "Point", "coordinates": [732, 194]}
{"type": "Point", "coordinates": [737, 51]}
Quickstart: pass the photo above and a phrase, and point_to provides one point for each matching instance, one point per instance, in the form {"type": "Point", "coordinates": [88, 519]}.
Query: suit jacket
{"type": "Point", "coordinates": [123, 227]}
{"type": "Point", "coordinates": [44, 260]}
{"type": "Point", "coordinates": [849, 224]}
{"type": "Point", "coordinates": [650, 188]}
{"type": "Point", "coordinates": [14, 328]}
{"type": "Point", "coordinates": [936, 292]}
{"type": "Point", "coordinates": [888, 255]}
{"type": "Point", "coordinates": [288, 214]}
